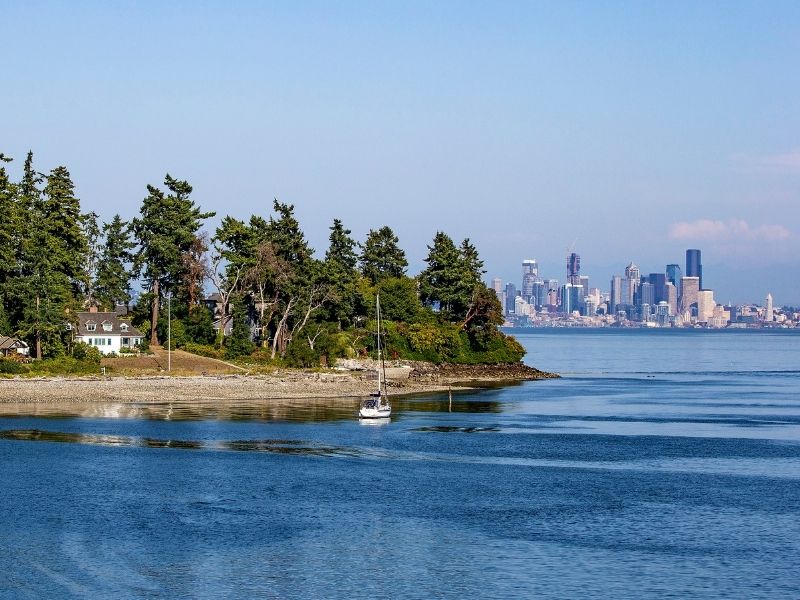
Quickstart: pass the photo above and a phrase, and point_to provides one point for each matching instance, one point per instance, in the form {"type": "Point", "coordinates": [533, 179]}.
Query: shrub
{"type": "Point", "coordinates": [65, 365]}
{"type": "Point", "coordinates": [85, 352]}
{"type": "Point", "coordinates": [12, 367]}
{"type": "Point", "coordinates": [203, 350]}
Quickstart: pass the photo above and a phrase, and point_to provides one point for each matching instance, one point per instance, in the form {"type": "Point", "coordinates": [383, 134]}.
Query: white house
{"type": "Point", "coordinates": [106, 331]}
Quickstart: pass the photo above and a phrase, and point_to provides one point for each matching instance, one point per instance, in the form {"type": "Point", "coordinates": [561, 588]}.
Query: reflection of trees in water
{"type": "Point", "coordinates": [297, 410]}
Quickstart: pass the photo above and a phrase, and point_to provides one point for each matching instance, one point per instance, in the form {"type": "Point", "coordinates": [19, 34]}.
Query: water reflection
{"type": "Point", "coordinates": [276, 446]}
{"type": "Point", "coordinates": [302, 410]}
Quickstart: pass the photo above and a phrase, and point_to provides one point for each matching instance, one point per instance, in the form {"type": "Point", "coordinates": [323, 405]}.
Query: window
{"type": "Point", "coordinates": [109, 341]}
{"type": "Point", "coordinates": [126, 341]}
{"type": "Point", "coordinates": [91, 326]}
{"type": "Point", "coordinates": [69, 326]}
{"type": "Point", "coordinates": [124, 327]}
{"type": "Point", "coordinates": [106, 326]}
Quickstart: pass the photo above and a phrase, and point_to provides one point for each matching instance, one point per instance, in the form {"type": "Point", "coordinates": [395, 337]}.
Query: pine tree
{"type": "Point", "coordinates": [165, 230]}
{"type": "Point", "coordinates": [381, 256]}
{"type": "Point", "coordinates": [113, 281]}
{"type": "Point", "coordinates": [341, 273]}
{"type": "Point", "coordinates": [441, 282]}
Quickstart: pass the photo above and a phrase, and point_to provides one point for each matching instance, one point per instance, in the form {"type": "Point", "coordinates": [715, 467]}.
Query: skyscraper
{"type": "Point", "coordinates": [573, 268]}
{"type": "Point", "coordinates": [632, 281]}
{"type": "Point", "coordinates": [615, 298]}
{"type": "Point", "coordinates": [694, 267]}
{"type": "Point", "coordinates": [690, 287]}
{"type": "Point", "coordinates": [530, 272]}
{"type": "Point", "coordinates": [674, 275]}
{"type": "Point", "coordinates": [768, 313]}
{"type": "Point", "coordinates": [511, 296]}
{"type": "Point", "coordinates": [659, 282]}
{"type": "Point", "coordinates": [497, 284]}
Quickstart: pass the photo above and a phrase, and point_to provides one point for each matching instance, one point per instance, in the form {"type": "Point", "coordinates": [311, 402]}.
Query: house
{"type": "Point", "coordinates": [106, 331]}
{"type": "Point", "coordinates": [10, 346]}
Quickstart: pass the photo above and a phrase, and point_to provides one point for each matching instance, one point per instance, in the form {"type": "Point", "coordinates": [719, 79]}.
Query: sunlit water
{"type": "Point", "coordinates": [664, 464]}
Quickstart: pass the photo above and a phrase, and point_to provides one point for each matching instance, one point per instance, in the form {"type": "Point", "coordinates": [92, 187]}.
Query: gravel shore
{"type": "Point", "coordinates": [280, 385]}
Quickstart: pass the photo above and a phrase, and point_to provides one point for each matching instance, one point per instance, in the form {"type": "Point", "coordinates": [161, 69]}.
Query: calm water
{"type": "Point", "coordinates": [665, 464]}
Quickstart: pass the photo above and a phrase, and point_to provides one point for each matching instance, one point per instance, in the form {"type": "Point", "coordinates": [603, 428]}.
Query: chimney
{"type": "Point", "coordinates": [93, 308]}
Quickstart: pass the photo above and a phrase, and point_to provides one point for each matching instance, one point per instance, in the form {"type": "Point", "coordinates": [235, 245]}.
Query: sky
{"type": "Point", "coordinates": [627, 131]}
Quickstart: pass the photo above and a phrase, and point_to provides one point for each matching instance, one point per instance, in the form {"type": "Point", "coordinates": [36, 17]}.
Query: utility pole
{"type": "Point", "coordinates": [169, 331]}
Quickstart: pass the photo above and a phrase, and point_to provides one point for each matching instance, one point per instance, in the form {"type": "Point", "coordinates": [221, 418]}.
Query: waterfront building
{"type": "Point", "coordinates": [690, 287]}
{"type": "Point", "coordinates": [705, 305]}
{"type": "Point", "coordinates": [768, 311]}
{"type": "Point", "coordinates": [694, 265]}
{"type": "Point", "coordinates": [674, 275]}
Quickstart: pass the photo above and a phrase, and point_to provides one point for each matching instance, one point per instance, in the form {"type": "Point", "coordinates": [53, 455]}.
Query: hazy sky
{"type": "Point", "coordinates": [635, 130]}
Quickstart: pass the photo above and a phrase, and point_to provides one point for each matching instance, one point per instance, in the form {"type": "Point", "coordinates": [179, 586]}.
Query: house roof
{"type": "Point", "coordinates": [101, 318]}
{"type": "Point", "coordinates": [7, 343]}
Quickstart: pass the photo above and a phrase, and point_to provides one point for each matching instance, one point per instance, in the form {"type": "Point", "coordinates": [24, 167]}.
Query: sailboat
{"type": "Point", "coordinates": [377, 406]}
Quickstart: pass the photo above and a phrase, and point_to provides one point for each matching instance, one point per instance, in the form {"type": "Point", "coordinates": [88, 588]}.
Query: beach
{"type": "Point", "coordinates": [280, 384]}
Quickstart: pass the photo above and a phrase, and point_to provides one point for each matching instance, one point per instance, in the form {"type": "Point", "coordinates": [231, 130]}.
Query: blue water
{"type": "Point", "coordinates": [664, 464]}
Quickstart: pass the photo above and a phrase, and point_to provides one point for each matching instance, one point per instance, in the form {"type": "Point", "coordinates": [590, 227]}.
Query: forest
{"type": "Point", "coordinates": [285, 305]}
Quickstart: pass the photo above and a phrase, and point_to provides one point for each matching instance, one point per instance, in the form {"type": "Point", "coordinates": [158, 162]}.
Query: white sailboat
{"type": "Point", "coordinates": [377, 406]}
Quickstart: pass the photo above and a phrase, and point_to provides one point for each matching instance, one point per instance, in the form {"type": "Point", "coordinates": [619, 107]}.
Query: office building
{"type": "Point", "coordinates": [631, 284]}
{"type": "Point", "coordinates": [690, 287]}
{"type": "Point", "coordinates": [511, 296]}
{"type": "Point", "coordinates": [573, 268]}
{"type": "Point", "coordinates": [615, 298]}
{"type": "Point", "coordinates": [768, 311]}
{"type": "Point", "coordinates": [539, 297]}
{"type": "Point", "coordinates": [705, 305]}
{"type": "Point", "coordinates": [497, 284]}
{"type": "Point", "coordinates": [674, 275]}
{"type": "Point", "coordinates": [672, 298]}
{"type": "Point", "coordinates": [694, 266]}
{"type": "Point", "coordinates": [530, 267]}
{"type": "Point", "coordinates": [658, 281]}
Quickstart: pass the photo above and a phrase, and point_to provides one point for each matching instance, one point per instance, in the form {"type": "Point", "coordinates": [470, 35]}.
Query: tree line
{"type": "Point", "coordinates": [284, 303]}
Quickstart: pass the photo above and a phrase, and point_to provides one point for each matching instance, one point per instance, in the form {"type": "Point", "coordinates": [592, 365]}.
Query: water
{"type": "Point", "coordinates": [665, 464]}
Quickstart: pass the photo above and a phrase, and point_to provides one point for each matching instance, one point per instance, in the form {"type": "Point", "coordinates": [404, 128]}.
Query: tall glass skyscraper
{"type": "Point", "coordinates": [674, 275]}
{"type": "Point", "coordinates": [694, 267]}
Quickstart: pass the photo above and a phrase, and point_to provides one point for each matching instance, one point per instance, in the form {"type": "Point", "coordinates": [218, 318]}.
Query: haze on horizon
{"type": "Point", "coordinates": [634, 130]}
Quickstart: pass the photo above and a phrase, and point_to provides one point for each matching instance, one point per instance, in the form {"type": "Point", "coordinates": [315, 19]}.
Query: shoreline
{"type": "Point", "coordinates": [281, 385]}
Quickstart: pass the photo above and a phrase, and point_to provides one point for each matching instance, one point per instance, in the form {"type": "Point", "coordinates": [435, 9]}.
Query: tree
{"type": "Point", "coordinates": [113, 280]}
{"type": "Point", "coordinates": [91, 232]}
{"type": "Point", "coordinates": [442, 281]}
{"type": "Point", "coordinates": [340, 265]}
{"type": "Point", "coordinates": [451, 277]}
{"type": "Point", "coordinates": [381, 256]}
{"type": "Point", "coordinates": [165, 230]}
{"type": "Point", "coordinates": [238, 342]}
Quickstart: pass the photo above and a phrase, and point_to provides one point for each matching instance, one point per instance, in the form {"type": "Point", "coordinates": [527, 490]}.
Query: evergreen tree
{"type": "Point", "coordinates": [165, 230]}
{"type": "Point", "coordinates": [113, 281]}
{"type": "Point", "coordinates": [381, 256]}
{"type": "Point", "coordinates": [91, 231]}
{"type": "Point", "coordinates": [9, 224]}
{"type": "Point", "coordinates": [442, 281]}
{"type": "Point", "coordinates": [61, 218]}
{"type": "Point", "coordinates": [340, 272]}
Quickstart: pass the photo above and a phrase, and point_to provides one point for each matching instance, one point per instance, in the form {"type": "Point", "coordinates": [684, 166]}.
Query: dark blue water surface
{"type": "Point", "coordinates": [661, 465]}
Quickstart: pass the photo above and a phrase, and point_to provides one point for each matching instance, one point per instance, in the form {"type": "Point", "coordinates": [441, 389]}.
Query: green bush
{"type": "Point", "coordinates": [12, 367]}
{"type": "Point", "coordinates": [85, 352]}
{"type": "Point", "coordinates": [203, 350]}
{"type": "Point", "coordinates": [64, 365]}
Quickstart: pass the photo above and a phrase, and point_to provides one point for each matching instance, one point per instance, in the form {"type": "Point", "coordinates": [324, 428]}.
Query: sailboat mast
{"type": "Point", "coordinates": [378, 318]}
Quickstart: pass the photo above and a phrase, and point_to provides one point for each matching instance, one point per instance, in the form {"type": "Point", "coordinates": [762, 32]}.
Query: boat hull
{"type": "Point", "coordinates": [374, 413]}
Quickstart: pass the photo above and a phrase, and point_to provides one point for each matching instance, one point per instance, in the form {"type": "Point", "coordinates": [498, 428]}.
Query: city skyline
{"type": "Point", "coordinates": [675, 296]}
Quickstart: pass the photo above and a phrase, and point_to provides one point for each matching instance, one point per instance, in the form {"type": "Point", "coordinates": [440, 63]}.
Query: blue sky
{"type": "Point", "coordinates": [635, 130]}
